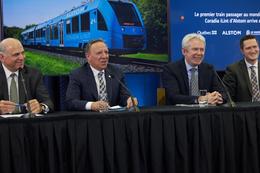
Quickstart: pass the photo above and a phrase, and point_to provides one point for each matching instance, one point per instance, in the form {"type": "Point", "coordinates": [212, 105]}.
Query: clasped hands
{"type": "Point", "coordinates": [8, 106]}
{"type": "Point", "coordinates": [103, 105]}
{"type": "Point", "coordinates": [212, 98]}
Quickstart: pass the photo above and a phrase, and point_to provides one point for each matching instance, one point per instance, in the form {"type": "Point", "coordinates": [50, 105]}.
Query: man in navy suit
{"type": "Point", "coordinates": [177, 76]}
{"type": "Point", "coordinates": [85, 91]}
{"type": "Point", "coordinates": [238, 75]}
{"type": "Point", "coordinates": [12, 59]}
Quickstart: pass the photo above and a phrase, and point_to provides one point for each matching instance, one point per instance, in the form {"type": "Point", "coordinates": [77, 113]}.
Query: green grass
{"type": "Point", "coordinates": [146, 56]}
{"type": "Point", "coordinates": [49, 65]}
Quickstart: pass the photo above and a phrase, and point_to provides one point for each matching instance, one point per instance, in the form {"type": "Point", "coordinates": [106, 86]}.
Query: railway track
{"type": "Point", "coordinates": [126, 63]}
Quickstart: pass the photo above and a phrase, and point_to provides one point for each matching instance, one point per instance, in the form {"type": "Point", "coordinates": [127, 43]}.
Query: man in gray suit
{"type": "Point", "coordinates": [12, 93]}
{"type": "Point", "coordinates": [97, 85]}
{"type": "Point", "coordinates": [242, 77]}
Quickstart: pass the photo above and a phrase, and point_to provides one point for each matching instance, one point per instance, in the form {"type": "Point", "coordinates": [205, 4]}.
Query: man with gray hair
{"type": "Point", "coordinates": [184, 79]}
{"type": "Point", "coordinates": [97, 85]}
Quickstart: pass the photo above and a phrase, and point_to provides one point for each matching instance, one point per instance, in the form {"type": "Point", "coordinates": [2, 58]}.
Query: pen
{"type": "Point", "coordinates": [19, 105]}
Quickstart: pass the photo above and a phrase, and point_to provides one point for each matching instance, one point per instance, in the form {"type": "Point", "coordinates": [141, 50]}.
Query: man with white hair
{"type": "Point", "coordinates": [184, 79]}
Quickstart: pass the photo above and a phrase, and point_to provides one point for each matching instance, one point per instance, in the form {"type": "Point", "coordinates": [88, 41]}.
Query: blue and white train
{"type": "Point", "coordinates": [117, 22]}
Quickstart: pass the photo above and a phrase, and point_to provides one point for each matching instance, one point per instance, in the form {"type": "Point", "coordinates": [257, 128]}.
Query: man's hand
{"type": "Point", "coordinates": [35, 106]}
{"type": "Point", "coordinates": [99, 106]}
{"type": "Point", "coordinates": [215, 98]}
{"type": "Point", "coordinates": [130, 103]}
{"type": "Point", "coordinates": [6, 107]}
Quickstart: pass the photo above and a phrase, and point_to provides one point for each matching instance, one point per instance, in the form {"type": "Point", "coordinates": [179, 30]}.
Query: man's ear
{"type": "Point", "coordinates": [183, 50]}
{"type": "Point", "coordinates": [1, 57]}
{"type": "Point", "coordinates": [87, 56]}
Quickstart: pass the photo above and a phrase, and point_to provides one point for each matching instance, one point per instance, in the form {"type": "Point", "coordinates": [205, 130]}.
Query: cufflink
{"type": "Point", "coordinates": [45, 108]}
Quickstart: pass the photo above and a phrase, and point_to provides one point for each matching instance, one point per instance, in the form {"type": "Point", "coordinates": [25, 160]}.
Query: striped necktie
{"type": "Point", "coordinates": [102, 87]}
{"type": "Point", "coordinates": [255, 87]}
{"type": "Point", "coordinates": [194, 84]}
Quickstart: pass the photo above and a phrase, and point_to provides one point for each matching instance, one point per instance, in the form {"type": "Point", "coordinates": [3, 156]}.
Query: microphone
{"type": "Point", "coordinates": [230, 101]}
{"type": "Point", "coordinates": [29, 114]}
{"type": "Point", "coordinates": [136, 109]}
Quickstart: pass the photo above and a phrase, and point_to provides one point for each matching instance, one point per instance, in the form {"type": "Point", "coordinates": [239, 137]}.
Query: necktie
{"type": "Point", "coordinates": [255, 87]}
{"type": "Point", "coordinates": [102, 87]}
{"type": "Point", "coordinates": [13, 92]}
{"type": "Point", "coordinates": [194, 84]}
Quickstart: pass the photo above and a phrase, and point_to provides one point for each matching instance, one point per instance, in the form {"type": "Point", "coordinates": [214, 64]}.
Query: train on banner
{"type": "Point", "coordinates": [119, 23]}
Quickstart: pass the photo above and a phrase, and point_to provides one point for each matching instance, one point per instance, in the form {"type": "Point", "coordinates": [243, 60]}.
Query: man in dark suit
{"type": "Point", "coordinates": [12, 65]}
{"type": "Point", "coordinates": [239, 76]}
{"type": "Point", "coordinates": [178, 78]}
{"type": "Point", "coordinates": [95, 86]}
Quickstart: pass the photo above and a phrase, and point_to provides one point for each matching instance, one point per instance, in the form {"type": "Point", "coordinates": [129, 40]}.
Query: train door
{"type": "Point", "coordinates": [47, 36]}
{"type": "Point", "coordinates": [61, 34]}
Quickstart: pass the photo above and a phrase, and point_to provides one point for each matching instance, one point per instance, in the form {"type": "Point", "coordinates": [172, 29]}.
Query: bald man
{"type": "Point", "coordinates": [12, 59]}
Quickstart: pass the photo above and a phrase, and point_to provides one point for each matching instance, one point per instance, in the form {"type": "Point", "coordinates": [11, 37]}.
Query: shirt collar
{"type": "Point", "coordinates": [249, 65]}
{"type": "Point", "coordinates": [8, 72]}
{"type": "Point", "coordinates": [188, 66]}
{"type": "Point", "coordinates": [95, 71]}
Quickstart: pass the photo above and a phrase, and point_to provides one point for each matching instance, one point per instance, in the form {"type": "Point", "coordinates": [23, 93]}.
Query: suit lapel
{"type": "Point", "coordinates": [201, 78]}
{"type": "Point", "coordinates": [22, 98]}
{"type": "Point", "coordinates": [92, 83]}
{"type": "Point", "coordinates": [3, 85]}
{"type": "Point", "coordinates": [185, 75]}
{"type": "Point", "coordinates": [108, 86]}
{"type": "Point", "coordinates": [258, 74]}
{"type": "Point", "coordinates": [245, 74]}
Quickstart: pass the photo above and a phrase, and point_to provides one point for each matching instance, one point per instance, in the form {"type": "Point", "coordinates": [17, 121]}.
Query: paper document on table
{"type": "Point", "coordinates": [116, 108]}
{"type": "Point", "coordinates": [17, 115]}
{"type": "Point", "coordinates": [188, 105]}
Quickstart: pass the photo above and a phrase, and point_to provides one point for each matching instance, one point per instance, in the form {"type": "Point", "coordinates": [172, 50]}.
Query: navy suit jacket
{"type": "Point", "coordinates": [238, 82]}
{"type": "Point", "coordinates": [176, 82]}
{"type": "Point", "coordinates": [82, 87]}
{"type": "Point", "coordinates": [34, 84]}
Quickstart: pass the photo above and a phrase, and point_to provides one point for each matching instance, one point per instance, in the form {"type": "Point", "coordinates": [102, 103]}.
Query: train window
{"type": "Point", "coordinates": [55, 32]}
{"type": "Point", "coordinates": [37, 33]}
{"type": "Point", "coordinates": [30, 34]}
{"type": "Point", "coordinates": [75, 24]}
{"type": "Point", "coordinates": [126, 14]}
{"type": "Point", "coordinates": [84, 22]}
{"type": "Point", "coordinates": [68, 31]}
{"type": "Point", "coordinates": [101, 22]}
{"type": "Point", "coordinates": [51, 34]}
{"type": "Point", "coordinates": [43, 32]}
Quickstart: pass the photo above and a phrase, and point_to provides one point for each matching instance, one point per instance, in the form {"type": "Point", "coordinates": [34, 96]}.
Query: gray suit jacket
{"type": "Point", "coordinates": [34, 85]}
{"type": "Point", "coordinates": [82, 87]}
{"type": "Point", "coordinates": [238, 82]}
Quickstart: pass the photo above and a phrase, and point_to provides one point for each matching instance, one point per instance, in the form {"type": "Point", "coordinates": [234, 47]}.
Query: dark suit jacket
{"type": "Point", "coordinates": [33, 83]}
{"type": "Point", "coordinates": [176, 82]}
{"type": "Point", "coordinates": [82, 87]}
{"type": "Point", "coordinates": [238, 82]}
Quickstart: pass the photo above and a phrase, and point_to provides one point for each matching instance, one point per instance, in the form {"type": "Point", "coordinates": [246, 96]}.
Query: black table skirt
{"type": "Point", "coordinates": [155, 140]}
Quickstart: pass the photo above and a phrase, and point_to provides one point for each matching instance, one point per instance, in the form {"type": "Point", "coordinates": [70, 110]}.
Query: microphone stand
{"type": "Point", "coordinates": [231, 102]}
{"type": "Point", "coordinates": [29, 114]}
{"type": "Point", "coordinates": [135, 107]}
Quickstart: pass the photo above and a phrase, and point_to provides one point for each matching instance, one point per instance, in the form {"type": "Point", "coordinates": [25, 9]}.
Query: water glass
{"type": "Point", "coordinates": [203, 102]}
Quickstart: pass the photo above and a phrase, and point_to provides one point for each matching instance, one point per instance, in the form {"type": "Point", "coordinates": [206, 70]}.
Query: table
{"type": "Point", "coordinates": [165, 139]}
